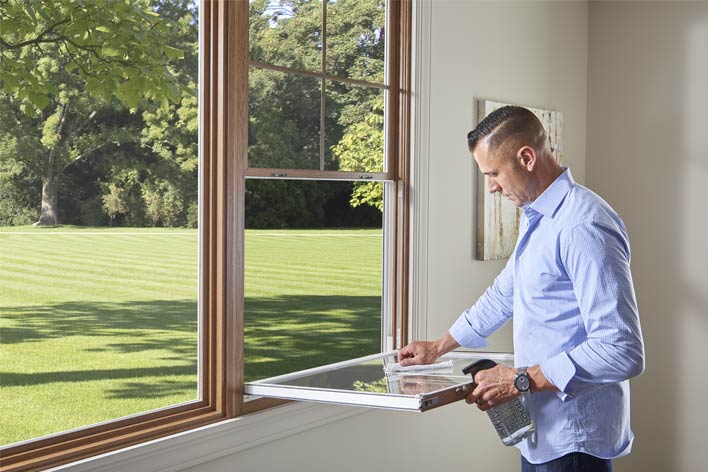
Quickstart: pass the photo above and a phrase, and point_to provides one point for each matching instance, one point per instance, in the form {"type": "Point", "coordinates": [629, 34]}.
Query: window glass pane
{"type": "Point", "coordinates": [284, 120]}
{"type": "Point", "coordinates": [356, 39]}
{"type": "Point", "coordinates": [313, 276]}
{"type": "Point", "coordinates": [354, 126]}
{"type": "Point", "coordinates": [99, 299]}
{"type": "Point", "coordinates": [286, 33]}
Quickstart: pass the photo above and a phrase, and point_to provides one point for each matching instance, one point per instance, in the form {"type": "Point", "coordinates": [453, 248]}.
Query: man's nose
{"type": "Point", "coordinates": [492, 186]}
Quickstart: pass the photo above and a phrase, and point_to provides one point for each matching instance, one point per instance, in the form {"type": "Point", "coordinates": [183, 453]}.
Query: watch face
{"type": "Point", "coordinates": [522, 383]}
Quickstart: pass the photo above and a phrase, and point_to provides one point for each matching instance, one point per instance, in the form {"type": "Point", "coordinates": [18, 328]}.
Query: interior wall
{"type": "Point", "coordinates": [532, 53]}
{"type": "Point", "coordinates": [524, 53]}
{"type": "Point", "coordinates": [648, 156]}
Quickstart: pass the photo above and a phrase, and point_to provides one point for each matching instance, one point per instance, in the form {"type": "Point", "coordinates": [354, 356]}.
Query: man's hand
{"type": "Point", "coordinates": [495, 386]}
{"type": "Point", "coordinates": [426, 352]}
{"type": "Point", "coordinates": [418, 352]}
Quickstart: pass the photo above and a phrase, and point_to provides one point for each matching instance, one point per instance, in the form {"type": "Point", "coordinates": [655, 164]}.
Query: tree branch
{"type": "Point", "coordinates": [37, 40]}
{"type": "Point", "coordinates": [81, 156]}
{"type": "Point", "coordinates": [81, 128]}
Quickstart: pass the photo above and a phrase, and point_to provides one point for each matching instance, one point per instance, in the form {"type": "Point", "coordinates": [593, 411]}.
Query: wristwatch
{"type": "Point", "coordinates": [522, 382]}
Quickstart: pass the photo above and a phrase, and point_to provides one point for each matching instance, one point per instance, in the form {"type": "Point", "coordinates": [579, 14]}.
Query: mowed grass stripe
{"type": "Point", "coordinates": [54, 238]}
{"type": "Point", "coordinates": [96, 287]}
{"type": "Point", "coordinates": [96, 273]}
{"type": "Point", "coordinates": [305, 272]}
{"type": "Point", "coordinates": [90, 270]}
{"type": "Point", "coordinates": [344, 270]}
{"type": "Point", "coordinates": [151, 250]}
{"type": "Point", "coordinates": [137, 246]}
{"type": "Point", "coordinates": [83, 258]}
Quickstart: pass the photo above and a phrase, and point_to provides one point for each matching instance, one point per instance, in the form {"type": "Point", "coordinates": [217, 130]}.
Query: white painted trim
{"type": "Point", "coordinates": [197, 446]}
{"type": "Point", "coordinates": [420, 152]}
{"type": "Point", "coordinates": [389, 401]}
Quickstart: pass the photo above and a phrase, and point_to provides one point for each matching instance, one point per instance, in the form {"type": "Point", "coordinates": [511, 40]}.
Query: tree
{"type": "Point", "coordinates": [62, 61]}
{"type": "Point", "coordinates": [113, 202]}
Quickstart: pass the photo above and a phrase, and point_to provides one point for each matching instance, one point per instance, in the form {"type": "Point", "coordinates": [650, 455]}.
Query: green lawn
{"type": "Point", "coordinates": [100, 323]}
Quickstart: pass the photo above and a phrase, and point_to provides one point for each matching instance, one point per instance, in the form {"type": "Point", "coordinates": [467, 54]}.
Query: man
{"type": "Point", "coordinates": [568, 288]}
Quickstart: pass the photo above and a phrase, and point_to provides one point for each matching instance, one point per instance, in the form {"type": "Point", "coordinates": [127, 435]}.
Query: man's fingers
{"type": "Point", "coordinates": [408, 361]}
{"type": "Point", "coordinates": [478, 392]}
{"type": "Point", "coordinates": [406, 351]}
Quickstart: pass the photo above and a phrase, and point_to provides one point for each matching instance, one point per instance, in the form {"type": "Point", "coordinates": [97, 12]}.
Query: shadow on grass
{"type": "Point", "coordinates": [290, 333]}
{"type": "Point", "coordinates": [135, 389]}
{"type": "Point", "coordinates": [150, 324]}
{"type": "Point", "coordinates": [282, 334]}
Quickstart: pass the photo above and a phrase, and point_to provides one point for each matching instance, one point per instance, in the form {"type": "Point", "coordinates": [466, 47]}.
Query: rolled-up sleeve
{"type": "Point", "coordinates": [491, 312]}
{"type": "Point", "coordinates": [597, 261]}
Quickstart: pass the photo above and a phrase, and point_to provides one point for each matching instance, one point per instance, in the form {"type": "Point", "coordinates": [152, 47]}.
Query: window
{"type": "Point", "coordinates": [230, 169]}
{"type": "Point", "coordinates": [317, 133]}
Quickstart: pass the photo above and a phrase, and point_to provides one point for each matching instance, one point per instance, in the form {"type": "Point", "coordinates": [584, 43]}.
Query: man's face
{"type": "Point", "coordinates": [504, 174]}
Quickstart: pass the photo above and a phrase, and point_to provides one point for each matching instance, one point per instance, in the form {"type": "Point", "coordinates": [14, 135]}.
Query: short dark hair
{"type": "Point", "coordinates": [505, 122]}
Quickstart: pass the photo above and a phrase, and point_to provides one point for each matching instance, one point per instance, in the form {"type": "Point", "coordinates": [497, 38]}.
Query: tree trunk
{"type": "Point", "coordinates": [50, 209]}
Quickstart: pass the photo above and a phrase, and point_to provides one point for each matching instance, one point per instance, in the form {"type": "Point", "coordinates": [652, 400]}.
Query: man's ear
{"type": "Point", "coordinates": [526, 156]}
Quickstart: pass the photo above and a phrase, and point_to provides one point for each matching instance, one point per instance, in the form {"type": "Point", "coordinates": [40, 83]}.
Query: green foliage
{"type": "Point", "coordinates": [377, 386]}
{"type": "Point", "coordinates": [361, 150]}
{"type": "Point", "coordinates": [285, 204]}
{"type": "Point", "coordinates": [113, 202]}
{"type": "Point", "coordinates": [18, 194]}
{"type": "Point", "coordinates": [119, 48]}
{"type": "Point", "coordinates": [91, 212]}
{"type": "Point", "coordinates": [193, 215]}
{"type": "Point", "coordinates": [163, 204]}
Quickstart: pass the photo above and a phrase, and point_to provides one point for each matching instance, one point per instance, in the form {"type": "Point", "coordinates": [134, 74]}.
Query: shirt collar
{"type": "Point", "coordinates": [551, 198]}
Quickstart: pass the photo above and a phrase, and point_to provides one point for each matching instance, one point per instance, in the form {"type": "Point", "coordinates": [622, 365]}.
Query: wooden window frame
{"type": "Point", "coordinates": [224, 135]}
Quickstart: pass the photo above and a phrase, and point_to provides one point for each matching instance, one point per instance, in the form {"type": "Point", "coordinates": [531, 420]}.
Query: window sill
{"type": "Point", "coordinates": [207, 443]}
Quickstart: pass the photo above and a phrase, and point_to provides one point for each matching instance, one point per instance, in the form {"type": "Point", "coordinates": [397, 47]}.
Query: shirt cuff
{"type": "Point", "coordinates": [464, 333]}
{"type": "Point", "coordinates": [559, 370]}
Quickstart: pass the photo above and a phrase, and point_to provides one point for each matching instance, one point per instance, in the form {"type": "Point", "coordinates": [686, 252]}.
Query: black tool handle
{"type": "Point", "coordinates": [482, 364]}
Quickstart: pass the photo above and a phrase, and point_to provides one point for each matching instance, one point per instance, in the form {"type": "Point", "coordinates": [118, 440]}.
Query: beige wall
{"type": "Point", "coordinates": [648, 156]}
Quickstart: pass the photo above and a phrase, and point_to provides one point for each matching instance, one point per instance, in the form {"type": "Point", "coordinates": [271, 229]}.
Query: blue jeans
{"type": "Point", "coordinates": [573, 462]}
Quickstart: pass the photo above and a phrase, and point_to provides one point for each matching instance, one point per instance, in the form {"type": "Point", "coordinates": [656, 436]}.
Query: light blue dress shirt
{"type": "Point", "coordinates": [568, 288]}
